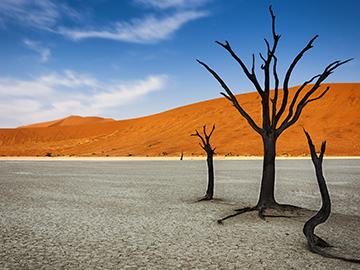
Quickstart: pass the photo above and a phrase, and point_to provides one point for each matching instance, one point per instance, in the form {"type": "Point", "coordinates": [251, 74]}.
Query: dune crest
{"type": "Point", "coordinates": [334, 118]}
{"type": "Point", "coordinates": [73, 120]}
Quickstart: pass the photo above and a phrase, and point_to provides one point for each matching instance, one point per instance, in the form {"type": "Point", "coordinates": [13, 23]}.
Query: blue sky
{"type": "Point", "coordinates": [130, 58]}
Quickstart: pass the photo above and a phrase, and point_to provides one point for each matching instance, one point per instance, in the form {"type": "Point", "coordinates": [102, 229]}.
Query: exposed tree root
{"type": "Point", "coordinates": [215, 200]}
{"type": "Point", "coordinates": [320, 242]}
{"type": "Point", "coordinates": [261, 209]}
{"type": "Point", "coordinates": [315, 241]}
{"type": "Point", "coordinates": [205, 198]}
{"type": "Point", "coordinates": [323, 214]}
{"type": "Point", "coordinates": [238, 212]}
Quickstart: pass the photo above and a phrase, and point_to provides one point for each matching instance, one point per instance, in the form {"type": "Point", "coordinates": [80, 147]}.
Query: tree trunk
{"type": "Point", "coordinates": [210, 188]}
{"type": "Point", "coordinates": [267, 198]}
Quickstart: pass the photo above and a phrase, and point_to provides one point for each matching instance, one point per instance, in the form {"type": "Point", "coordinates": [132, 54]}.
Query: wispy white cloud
{"type": "Point", "coordinates": [164, 4]}
{"type": "Point", "coordinates": [55, 96]}
{"type": "Point", "coordinates": [45, 85]}
{"type": "Point", "coordinates": [44, 52]}
{"type": "Point", "coordinates": [49, 15]}
{"type": "Point", "coordinates": [146, 30]}
{"type": "Point", "coordinates": [40, 14]}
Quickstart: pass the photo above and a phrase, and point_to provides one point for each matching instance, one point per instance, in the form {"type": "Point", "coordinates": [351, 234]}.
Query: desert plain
{"type": "Point", "coordinates": [126, 214]}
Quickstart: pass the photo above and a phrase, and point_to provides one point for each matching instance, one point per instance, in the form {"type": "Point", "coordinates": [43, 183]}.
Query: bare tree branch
{"type": "Point", "coordinates": [276, 90]}
{"type": "Point", "coordinates": [287, 77]}
{"type": "Point", "coordinates": [227, 97]}
{"type": "Point", "coordinates": [305, 100]}
{"type": "Point", "coordinates": [208, 137]}
{"type": "Point", "coordinates": [266, 67]}
{"type": "Point", "coordinates": [314, 156]}
{"type": "Point", "coordinates": [233, 99]}
{"type": "Point", "coordinates": [262, 58]}
{"type": "Point", "coordinates": [251, 76]}
{"type": "Point", "coordinates": [323, 93]}
{"type": "Point", "coordinates": [206, 141]}
{"type": "Point", "coordinates": [270, 53]}
{"type": "Point", "coordinates": [202, 139]}
{"type": "Point", "coordinates": [253, 64]}
{"type": "Point", "coordinates": [291, 107]}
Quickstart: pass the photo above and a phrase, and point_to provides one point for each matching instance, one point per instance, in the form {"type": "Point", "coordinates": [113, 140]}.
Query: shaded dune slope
{"type": "Point", "coordinates": [334, 118]}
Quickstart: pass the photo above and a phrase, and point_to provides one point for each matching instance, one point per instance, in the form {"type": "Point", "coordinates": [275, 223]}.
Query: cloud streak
{"type": "Point", "coordinates": [39, 14]}
{"type": "Point", "coordinates": [165, 4]}
{"type": "Point", "coordinates": [56, 96]}
{"type": "Point", "coordinates": [44, 52]}
{"type": "Point", "coordinates": [148, 30]}
{"type": "Point", "coordinates": [49, 15]}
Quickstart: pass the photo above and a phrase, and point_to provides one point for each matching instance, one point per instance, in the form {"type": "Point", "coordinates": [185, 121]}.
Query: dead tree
{"type": "Point", "coordinates": [272, 127]}
{"type": "Point", "coordinates": [324, 212]}
{"type": "Point", "coordinates": [210, 154]}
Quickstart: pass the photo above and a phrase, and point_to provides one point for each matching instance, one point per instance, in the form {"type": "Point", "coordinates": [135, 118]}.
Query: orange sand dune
{"type": "Point", "coordinates": [73, 120]}
{"type": "Point", "coordinates": [334, 118]}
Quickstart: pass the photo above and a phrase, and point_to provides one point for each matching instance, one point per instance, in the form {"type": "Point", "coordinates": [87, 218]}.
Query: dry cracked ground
{"type": "Point", "coordinates": [144, 215]}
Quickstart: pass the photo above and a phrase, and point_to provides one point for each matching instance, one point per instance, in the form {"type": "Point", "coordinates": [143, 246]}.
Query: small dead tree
{"type": "Point", "coordinates": [324, 212]}
{"type": "Point", "coordinates": [272, 127]}
{"type": "Point", "coordinates": [210, 154]}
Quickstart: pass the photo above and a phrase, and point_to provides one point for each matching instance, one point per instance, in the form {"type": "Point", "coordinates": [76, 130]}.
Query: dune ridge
{"type": "Point", "coordinates": [334, 118]}
{"type": "Point", "coordinates": [73, 120]}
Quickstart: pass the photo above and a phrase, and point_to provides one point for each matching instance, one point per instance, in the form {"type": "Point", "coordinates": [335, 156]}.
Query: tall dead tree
{"type": "Point", "coordinates": [272, 127]}
{"type": "Point", "coordinates": [324, 212]}
{"type": "Point", "coordinates": [210, 154]}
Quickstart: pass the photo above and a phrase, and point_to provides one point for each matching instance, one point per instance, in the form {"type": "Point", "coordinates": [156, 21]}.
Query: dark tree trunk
{"type": "Point", "coordinates": [324, 212]}
{"type": "Point", "coordinates": [274, 121]}
{"type": "Point", "coordinates": [266, 198]}
{"type": "Point", "coordinates": [210, 153]}
{"type": "Point", "coordinates": [210, 189]}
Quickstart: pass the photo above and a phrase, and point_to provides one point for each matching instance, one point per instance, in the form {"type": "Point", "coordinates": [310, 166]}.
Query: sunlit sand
{"type": "Point", "coordinates": [334, 118]}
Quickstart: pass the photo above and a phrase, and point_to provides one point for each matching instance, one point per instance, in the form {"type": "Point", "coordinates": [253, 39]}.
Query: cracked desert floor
{"type": "Point", "coordinates": [101, 214]}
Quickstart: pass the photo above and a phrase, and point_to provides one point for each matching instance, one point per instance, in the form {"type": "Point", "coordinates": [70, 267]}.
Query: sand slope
{"type": "Point", "coordinates": [334, 118]}
{"type": "Point", "coordinates": [72, 120]}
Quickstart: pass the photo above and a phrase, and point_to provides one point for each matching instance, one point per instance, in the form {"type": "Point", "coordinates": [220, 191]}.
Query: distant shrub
{"type": "Point", "coordinates": [282, 154]}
